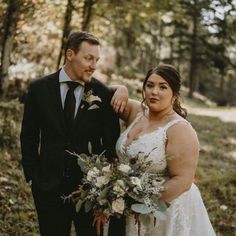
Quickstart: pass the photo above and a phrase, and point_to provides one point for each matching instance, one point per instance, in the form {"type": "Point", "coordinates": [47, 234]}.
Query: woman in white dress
{"type": "Point", "coordinates": [157, 128]}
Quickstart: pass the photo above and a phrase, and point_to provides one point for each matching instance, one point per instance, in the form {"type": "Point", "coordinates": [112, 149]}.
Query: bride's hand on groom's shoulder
{"type": "Point", "coordinates": [120, 98]}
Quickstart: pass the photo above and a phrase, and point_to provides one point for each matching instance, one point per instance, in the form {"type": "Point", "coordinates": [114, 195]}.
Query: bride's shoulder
{"type": "Point", "coordinates": [181, 129]}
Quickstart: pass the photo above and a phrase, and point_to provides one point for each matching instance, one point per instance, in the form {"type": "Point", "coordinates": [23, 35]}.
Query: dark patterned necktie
{"type": "Point", "coordinates": [69, 106]}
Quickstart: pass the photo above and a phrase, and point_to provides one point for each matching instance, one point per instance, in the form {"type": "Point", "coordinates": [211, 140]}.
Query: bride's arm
{"type": "Point", "coordinates": [120, 97]}
{"type": "Point", "coordinates": [127, 109]}
{"type": "Point", "coordinates": [182, 157]}
{"type": "Point", "coordinates": [130, 111]}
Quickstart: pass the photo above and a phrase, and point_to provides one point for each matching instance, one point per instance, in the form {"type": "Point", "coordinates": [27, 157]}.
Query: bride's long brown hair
{"type": "Point", "coordinates": [170, 74]}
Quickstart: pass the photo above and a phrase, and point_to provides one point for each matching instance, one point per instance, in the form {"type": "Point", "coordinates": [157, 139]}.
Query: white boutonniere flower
{"type": "Point", "coordinates": [89, 97]}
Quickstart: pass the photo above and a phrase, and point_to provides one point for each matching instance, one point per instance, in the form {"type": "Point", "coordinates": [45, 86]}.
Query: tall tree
{"type": "Point", "coordinates": [193, 73]}
{"type": "Point", "coordinates": [87, 14]}
{"type": "Point", "coordinates": [66, 30]}
{"type": "Point", "coordinates": [9, 31]}
{"type": "Point", "coordinates": [84, 12]}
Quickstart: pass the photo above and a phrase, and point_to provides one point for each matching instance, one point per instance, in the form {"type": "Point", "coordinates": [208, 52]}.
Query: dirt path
{"type": "Point", "coordinates": [225, 114]}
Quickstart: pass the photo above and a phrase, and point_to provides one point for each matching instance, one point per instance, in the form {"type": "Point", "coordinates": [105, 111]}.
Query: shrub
{"type": "Point", "coordinates": [10, 117]}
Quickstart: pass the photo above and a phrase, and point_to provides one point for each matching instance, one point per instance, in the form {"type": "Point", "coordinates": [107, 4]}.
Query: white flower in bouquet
{"type": "Point", "coordinates": [124, 168]}
{"type": "Point", "coordinates": [118, 205]}
{"type": "Point", "coordinates": [120, 188]}
{"type": "Point", "coordinates": [102, 201]}
{"type": "Point", "coordinates": [136, 181]}
{"type": "Point", "coordinates": [106, 169]}
{"type": "Point", "coordinates": [93, 173]}
{"type": "Point", "coordinates": [101, 181]}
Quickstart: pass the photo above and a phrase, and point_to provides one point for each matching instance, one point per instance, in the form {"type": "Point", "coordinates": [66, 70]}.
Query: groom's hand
{"type": "Point", "coordinates": [120, 98]}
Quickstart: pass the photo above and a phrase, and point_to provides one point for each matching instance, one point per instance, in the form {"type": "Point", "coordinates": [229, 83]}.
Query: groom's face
{"type": "Point", "coordinates": [83, 63]}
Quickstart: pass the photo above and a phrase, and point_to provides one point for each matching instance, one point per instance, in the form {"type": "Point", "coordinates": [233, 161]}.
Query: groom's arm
{"type": "Point", "coordinates": [110, 124]}
{"type": "Point", "coordinates": [111, 131]}
{"type": "Point", "coordinates": [29, 137]}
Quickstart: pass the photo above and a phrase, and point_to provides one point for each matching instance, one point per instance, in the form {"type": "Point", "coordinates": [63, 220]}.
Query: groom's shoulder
{"type": "Point", "coordinates": [100, 87]}
{"type": "Point", "coordinates": [41, 82]}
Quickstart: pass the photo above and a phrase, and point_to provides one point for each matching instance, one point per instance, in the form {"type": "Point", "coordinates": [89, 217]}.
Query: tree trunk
{"type": "Point", "coordinates": [87, 13]}
{"type": "Point", "coordinates": [193, 62]}
{"type": "Point", "coordinates": [66, 30]}
{"type": "Point", "coordinates": [222, 100]}
{"type": "Point", "coordinates": [9, 31]}
{"type": "Point", "coordinates": [159, 41]}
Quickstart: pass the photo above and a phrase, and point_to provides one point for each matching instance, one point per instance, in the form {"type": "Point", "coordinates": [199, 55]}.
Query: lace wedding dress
{"type": "Point", "coordinates": [187, 215]}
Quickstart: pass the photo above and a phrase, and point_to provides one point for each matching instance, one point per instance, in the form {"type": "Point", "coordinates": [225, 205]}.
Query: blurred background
{"type": "Point", "coordinates": [197, 36]}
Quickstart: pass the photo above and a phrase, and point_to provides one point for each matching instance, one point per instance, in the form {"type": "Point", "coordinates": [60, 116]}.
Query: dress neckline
{"type": "Point", "coordinates": [167, 125]}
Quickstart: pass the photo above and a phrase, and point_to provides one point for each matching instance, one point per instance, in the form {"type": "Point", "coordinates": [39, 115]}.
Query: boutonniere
{"type": "Point", "coordinates": [90, 98]}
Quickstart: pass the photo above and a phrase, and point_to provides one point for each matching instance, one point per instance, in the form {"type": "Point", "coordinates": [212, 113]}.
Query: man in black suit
{"type": "Point", "coordinates": [67, 110]}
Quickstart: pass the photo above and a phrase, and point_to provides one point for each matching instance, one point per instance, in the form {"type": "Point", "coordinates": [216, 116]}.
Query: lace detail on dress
{"type": "Point", "coordinates": [149, 146]}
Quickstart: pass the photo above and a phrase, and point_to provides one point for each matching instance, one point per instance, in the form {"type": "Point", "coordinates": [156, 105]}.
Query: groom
{"type": "Point", "coordinates": [67, 110]}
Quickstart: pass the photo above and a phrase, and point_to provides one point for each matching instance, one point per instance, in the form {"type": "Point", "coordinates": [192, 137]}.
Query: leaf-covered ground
{"type": "Point", "coordinates": [216, 178]}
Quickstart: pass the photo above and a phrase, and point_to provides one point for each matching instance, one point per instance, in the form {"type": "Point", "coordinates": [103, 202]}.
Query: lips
{"type": "Point", "coordinates": [90, 72]}
{"type": "Point", "coordinates": [154, 100]}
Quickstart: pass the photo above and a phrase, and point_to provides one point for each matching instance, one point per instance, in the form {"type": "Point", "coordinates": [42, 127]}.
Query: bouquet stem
{"type": "Point", "coordinates": [99, 221]}
{"type": "Point", "coordinates": [137, 221]}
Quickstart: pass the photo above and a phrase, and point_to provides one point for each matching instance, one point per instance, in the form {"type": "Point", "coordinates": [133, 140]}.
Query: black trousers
{"type": "Point", "coordinates": [56, 216]}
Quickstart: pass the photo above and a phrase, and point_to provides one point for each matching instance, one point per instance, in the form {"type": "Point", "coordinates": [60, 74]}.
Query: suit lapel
{"type": "Point", "coordinates": [82, 110]}
{"type": "Point", "coordinates": [57, 109]}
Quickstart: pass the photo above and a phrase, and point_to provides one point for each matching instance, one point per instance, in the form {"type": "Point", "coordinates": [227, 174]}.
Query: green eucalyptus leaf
{"type": "Point", "coordinates": [162, 206]}
{"type": "Point", "coordinates": [159, 215]}
{"type": "Point", "coordinates": [140, 208]}
{"type": "Point", "coordinates": [135, 197]}
{"type": "Point", "coordinates": [83, 194]}
{"type": "Point", "coordinates": [103, 194]}
{"type": "Point", "coordinates": [145, 218]}
{"type": "Point", "coordinates": [88, 206]}
{"type": "Point", "coordinates": [82, 165]}
{"type": "Point", "coordinates": [78, 205]}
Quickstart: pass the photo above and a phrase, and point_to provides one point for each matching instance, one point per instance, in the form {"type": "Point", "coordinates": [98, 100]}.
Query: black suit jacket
{"type": "Point", "coordinates": [45, 137]}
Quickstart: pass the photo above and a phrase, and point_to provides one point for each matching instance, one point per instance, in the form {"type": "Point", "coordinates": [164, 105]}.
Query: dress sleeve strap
{"type": "Point", "coordinates": [173, 122]}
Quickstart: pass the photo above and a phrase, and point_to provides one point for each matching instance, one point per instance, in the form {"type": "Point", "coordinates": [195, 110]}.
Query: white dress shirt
{"type": "Point", "coordinates": [79, 90]}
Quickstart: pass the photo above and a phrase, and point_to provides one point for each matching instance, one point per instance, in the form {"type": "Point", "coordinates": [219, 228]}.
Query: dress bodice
{"type": "Point", "coordinates": [149, 146]}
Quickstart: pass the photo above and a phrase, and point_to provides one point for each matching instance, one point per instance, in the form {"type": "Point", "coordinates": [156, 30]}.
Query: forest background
{"type": "Point", "coordinates": [197, 36]}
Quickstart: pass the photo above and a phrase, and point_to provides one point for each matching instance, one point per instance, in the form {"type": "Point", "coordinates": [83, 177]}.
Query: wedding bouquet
{"type": "Point", "coordinates": [117, 189]}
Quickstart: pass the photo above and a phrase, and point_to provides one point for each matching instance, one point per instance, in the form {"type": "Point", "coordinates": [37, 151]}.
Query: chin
{"type": "Point", "coordinates": [87, 79]}
{"type": "Point", "coordinates": [155, 109]}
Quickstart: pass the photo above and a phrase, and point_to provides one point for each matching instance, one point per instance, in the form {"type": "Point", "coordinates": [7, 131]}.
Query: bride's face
{"type": "Point", "coordinates": [158, 93]}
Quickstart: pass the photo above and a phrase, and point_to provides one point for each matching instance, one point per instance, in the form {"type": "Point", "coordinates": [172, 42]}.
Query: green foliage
{"type": "Point", "coordinates": [215, 175]}
{"type": "Point", "coordinates": [18, 217]}
{"type": "Point", "coordinates": [10, 116]}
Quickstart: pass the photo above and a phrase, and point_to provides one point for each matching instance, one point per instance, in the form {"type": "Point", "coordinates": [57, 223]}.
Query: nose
{"type": "Point", "coordinates": [93, 64]}
{"type": "Point", "coordinates": [155, 90]}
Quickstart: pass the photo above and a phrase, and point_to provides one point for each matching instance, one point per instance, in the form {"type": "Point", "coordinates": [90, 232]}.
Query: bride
{"type": "Point", "coordinates": [157, 130]}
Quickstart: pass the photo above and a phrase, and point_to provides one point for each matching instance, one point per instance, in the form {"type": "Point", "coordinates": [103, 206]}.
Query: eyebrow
{"type": "Point", "coordinates": [91, 55]}
{"type": "Point", "coordinates": [161, 83]}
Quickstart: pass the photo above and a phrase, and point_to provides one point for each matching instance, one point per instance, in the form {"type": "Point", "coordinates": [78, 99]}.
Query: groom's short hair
{"type": "Point", "coordinates": [75, 40]}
